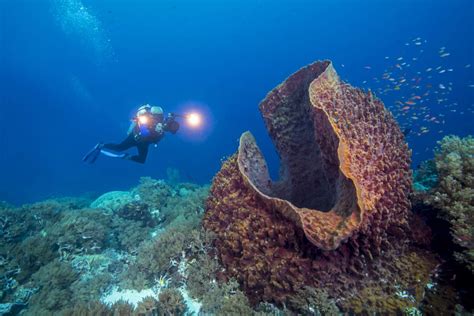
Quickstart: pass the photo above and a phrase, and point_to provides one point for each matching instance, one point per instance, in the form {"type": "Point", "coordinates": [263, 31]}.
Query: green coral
{"type": "Point", "coordinates": [160, 255]}
{"type": "Point", "coordinates": [201, 275]}
{"type": "Point", "coordinates": [153, 192]}
{"type": "Point", "coordinates": [149, 306]}
{"type": "Point", "coordinates": [187, 204]}
{"type": "Point", "coordinates": [137, 211]}
{"type": "Point", "coordinates": [425, 177]}
{"type": "Point", "coordinates": [454, 195]}
{"type": "Point", "coordinates": [93, 308]}
{"type": "Point", "coordinates": [128, 234]}
{"type": "Point", "coordinates": [64, 254]}
{"type": "Point", "coordinates": [5, 206]}
{"type": "Point", "coordinates": [53, 281]}
{"type": "Point", "coordinates": [311, 301]}
{"type": "Point", "coordinates": [112, 201]}
{"type": "Point", "coordinates": [81, 232]}
{"type": "Point", "coordinates": [226, 299]}
{"type": "Point", "coordinates": [171, 302]}
{"type": "Point", "coordinates": [122, 308]}
{"type": "Point", "coordinates": [33, 253]}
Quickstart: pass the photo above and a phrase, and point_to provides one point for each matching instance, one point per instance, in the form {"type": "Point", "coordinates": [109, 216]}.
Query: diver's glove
{"type": "Point", "coordinates": [159, 128]}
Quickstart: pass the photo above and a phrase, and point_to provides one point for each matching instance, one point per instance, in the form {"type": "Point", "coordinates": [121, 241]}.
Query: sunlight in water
{"type": "Point", "coordinates": [80, 24]}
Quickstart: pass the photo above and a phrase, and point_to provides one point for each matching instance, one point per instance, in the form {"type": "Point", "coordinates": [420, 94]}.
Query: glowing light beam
{"type": "Point", "coordinates": [194, 120]}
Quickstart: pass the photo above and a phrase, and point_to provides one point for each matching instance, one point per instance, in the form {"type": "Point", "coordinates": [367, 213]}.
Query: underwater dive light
{"type": "Point", "coordinates": [193, 119]}
{"type": "Point", "coordinates": [143, 119]}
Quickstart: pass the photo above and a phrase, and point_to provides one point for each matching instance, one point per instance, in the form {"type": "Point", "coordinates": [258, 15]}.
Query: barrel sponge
{"type": "Point", "coordinates": [344, 161]}
{"type": "Point", "coordinates": [338, 217]}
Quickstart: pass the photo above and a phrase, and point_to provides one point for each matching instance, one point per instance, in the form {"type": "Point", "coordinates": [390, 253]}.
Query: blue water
{"type": "Point", "coordinates": [73, 72]}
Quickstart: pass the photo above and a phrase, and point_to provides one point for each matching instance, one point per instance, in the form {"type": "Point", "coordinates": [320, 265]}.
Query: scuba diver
{"type": "Point", "coordinates": [147, 127]}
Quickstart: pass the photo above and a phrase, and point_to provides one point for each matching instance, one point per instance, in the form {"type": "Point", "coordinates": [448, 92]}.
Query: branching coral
{"type": "Point", "coordinates": [112, 201]}
{"type": "Point", "coordinates": [153, 192]}
{"type": "Point", "coordinates": [33, 253]}
{"type": "Point", "coordinates": [64, 255]}
{"type": "Point", "coordinates": [89, 309]}
{"type": "Point", "coordinates": [128, 235]}
{"type": "Point", "coordinates": [149, 306]}
{"type": "Point", "coordinates": [54, 280]}
{"type": "Point", "coordinates": [454, 195]}
{"type": "Point", "coordinates": [202, 275]}
{"type": "Point", "coordinates": [188, 203]}
{"type": "Point", "coordinates": [137, 211]}
{"type": "Point", "coordinates": [171, 302]}
{"type": "Point", "coordinates": [163, 254]}
{"type": "Point", "coordinates": [80, 232]}
{"type": "Point", "coordinates": [226, 299]}
{"type": "Point", "coordinates": [311, 301]}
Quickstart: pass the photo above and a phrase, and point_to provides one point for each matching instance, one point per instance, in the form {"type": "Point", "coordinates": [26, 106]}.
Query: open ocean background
{"type": "Point", "coordinates": [72, 73]}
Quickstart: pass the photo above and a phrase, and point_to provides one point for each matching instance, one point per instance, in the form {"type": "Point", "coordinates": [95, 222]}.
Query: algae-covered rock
{"type": "Point", "coordinates": [112, 201]}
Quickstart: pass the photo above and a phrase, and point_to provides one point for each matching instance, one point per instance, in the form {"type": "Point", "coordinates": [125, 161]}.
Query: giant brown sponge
{"type": "Point", "coordinates": [342, 196]}
{"type": "Point", "coordinates": [345, 164]}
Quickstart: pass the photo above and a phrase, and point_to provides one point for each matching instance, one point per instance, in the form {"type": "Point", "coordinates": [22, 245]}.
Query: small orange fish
{"type": "Point", "coordinates": [416, 97]}
{"type": "Point", "coordinates": [410, 102]}
{"type": "Point", "coordinates": [405, 108]}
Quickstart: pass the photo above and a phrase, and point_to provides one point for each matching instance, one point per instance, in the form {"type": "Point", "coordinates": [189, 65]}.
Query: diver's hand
{"type": "Point", "coordinates": [159, 128]}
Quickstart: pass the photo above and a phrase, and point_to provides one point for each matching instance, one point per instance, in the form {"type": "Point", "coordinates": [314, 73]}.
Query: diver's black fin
{"type": "Point", "coordinates": [92, 155]}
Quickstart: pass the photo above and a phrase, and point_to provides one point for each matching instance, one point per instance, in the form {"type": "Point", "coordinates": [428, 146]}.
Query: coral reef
{"type": "Point", "coordinates": [111, 201]}
{"type": "Point", "coordinates": [454, 194]}
{"type": "Point", "coordinates": [338, 219]}
{"type": "Point", "coordinates": [310, 301]}
{"type": "Point", "coordinates": [53, 280]}
{"type": "Point", "coordinates": [148, 307]}
{"type": "Point", "coordinates": [153, 192]}
{"type": "Point", "coordinates": [186, 204]}
{"type": "Point", "coordinates": [61, 255]}
{"type": "Point", "coordinates": [137, 211]}
{"type": "Point", "coordinates": [80, 232]}
{"type": "Point", "coordinates": [443, 197]}
{"type": "Point", "coordinates": [171, 302]}
{"type": "Point", "coordinates": [226, 299]}
{"type": "Point", "coordinates": [203, 273]}
{"type": "Point", "coordinates": [163, 254]}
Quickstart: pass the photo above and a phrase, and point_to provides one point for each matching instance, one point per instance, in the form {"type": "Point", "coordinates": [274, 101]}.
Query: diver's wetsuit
{"type": "Point", "coordinates": [129, 142]}
{"type": "Point", "coordinates": [135, 139]}
{"type": "Point", "coordinates": [141, 134]}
